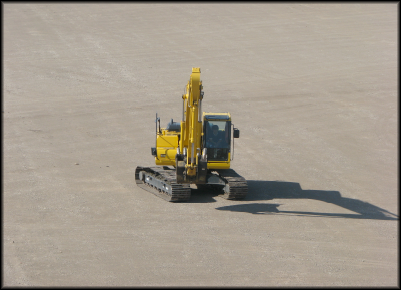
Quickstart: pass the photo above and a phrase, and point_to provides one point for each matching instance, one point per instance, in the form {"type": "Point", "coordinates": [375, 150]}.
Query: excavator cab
{"type": "Point", "coordinates": [217, 139]}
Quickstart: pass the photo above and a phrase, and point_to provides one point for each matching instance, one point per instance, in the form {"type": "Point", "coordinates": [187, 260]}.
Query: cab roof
{"type": "Point", "coordinates": [217, 116]}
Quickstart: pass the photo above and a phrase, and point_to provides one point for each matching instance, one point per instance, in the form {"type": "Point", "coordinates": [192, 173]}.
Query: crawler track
{"type": "Point", "coordinates": [236, 186]}
{"type": "Point", "coordinates": [162, 182]}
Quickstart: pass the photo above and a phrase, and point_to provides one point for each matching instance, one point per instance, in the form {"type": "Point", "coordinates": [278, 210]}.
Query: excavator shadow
{"type": "Point", "coordinates": [268, 190]}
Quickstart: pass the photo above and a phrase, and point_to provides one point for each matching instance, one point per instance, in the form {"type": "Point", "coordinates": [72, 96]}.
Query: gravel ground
{"type": "Point", "coordinates": [312, 87]}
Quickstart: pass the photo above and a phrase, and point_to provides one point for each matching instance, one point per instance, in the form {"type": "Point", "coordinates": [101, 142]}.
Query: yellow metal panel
{"type": "Point", "coordinates": [166, 153]}
{"type": "Point", "coordinates": [166, 149]}
{"type": "Point", "coordinates": [165, 156]}
{"type": "Point", "coordinates": [217, 114]}
{"type": "Point", "coordinates": [167, 141]}
{"type": "Point", "coordinates": [164, 162]}
{"type": "Point", "coordinates": [218, 165]}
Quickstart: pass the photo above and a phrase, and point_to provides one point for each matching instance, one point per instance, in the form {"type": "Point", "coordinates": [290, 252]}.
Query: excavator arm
{"type": "Point", "coordinates": [191, 166]}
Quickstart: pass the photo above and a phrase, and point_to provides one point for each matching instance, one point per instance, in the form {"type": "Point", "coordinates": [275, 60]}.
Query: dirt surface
{"type": "Point", "coordinates": [312, 87]}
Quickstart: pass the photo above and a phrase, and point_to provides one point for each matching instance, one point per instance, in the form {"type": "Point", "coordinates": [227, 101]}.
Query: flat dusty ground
{"type": "Point", "coordinates": [313, 89]}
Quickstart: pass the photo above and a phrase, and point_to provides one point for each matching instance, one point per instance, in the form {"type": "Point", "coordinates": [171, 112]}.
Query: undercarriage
{"type": "Point", "coordinates": [162, 182]}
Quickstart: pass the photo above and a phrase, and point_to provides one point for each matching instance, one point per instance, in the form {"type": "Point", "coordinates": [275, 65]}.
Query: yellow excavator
{"type": "Point", "coordinates": [198, 150]}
